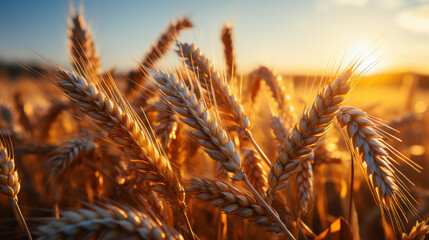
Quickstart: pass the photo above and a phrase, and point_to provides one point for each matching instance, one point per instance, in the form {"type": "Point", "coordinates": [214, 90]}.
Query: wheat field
{"type": "Point", "coordinates": [193, 152]}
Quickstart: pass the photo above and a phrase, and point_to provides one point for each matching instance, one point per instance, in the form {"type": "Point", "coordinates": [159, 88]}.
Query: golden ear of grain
{"type": "Point", "coordinates": [106, 222]}
{"type": "Point", "coordinates": [310, 128]}
{"type": "Point", "coordinates": [137, 78]}
{"type": "Point", "coordinates": [206, 128]}
{"type": "Point", "coordinates": [231, 199]}
{"type": "Point", "coordinates": [122, 125]}
{"type": "Point", "coordinates": [278, 127]}
{"type": "Point", "coordinates": [419, 232]}
{"type": "Point", "coordinates": [304, 183]}
{"type": "Point", "coordinates": [68, 155]}
{"type": "Point", "coordinates": [228, 49]}
{"type": "Point", "coordinates": [23, 119]}
{"type": "Point", "coordinates": [82, 48]}
{"type": "Point", "coordinates": [212, 81]}
{"type": "Point", "coordinates": [278, 90]}
{"type": "Point", "coordinates": [376, 162]}
{"type": "Point", "coordinates": [9, 180]}
{"type": "Point", "coordinates": [166, 120]}
{"type": "Point", "coordinates": [255, 169]}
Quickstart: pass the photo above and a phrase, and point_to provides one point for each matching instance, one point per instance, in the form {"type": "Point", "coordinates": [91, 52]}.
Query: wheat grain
{"type": "Point", "coordinates": [226, 102]}
{"type": "Point", "coordinates": [125, 129]}
{"type": "Point", "coordinates": [210, 78]}
{"type": "Point", "coordinates": [304, 183]}
{"type": "Point", "coordinates": [278, 128]}
{"type": "Point", "coordinates": [312, 125]}
{"type": "Point", "coordinates": [231, 199]}
{"type": "Point", "coordinates": [9, 180]}
{"type": "Point", "coordinates": [105, 222]}
{"type": "Point", "coordinates": [255, 169]}
{"type": "Point", "coordinates": [208, 132]}
{"type": "Point", "coordinates": [374, 156]}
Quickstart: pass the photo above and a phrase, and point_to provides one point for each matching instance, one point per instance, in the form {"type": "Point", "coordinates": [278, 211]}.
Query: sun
{"type": "Point", "coordinates": [370, 58]}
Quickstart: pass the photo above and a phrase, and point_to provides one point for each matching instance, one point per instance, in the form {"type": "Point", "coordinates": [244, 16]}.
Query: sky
{"type": "Point", "coordinates": [296, 37]}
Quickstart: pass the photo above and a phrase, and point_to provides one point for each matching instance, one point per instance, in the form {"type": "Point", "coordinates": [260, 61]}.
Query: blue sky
{"type": "Point", "coordinates": [288, 36]}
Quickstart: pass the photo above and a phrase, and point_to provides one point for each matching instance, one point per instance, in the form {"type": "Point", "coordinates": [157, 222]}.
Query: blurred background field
{"type": "Point", "coordinates": [294, 39]}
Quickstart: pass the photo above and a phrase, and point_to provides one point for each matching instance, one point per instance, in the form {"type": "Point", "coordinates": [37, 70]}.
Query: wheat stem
{"type": "Point", "coordinates": [352, 174]}
{"type": "Point", "coordinates": [267, 207]}
{"type": "Point", "coordinates": [21, 218]}
{"type": "Point", "coordinates": [255, 144]}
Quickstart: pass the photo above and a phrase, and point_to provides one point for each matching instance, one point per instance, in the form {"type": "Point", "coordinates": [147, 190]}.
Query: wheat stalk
{"type": "Point", "coordinates": [208, 132]}
{"type": "Point", "coordinates": [122, 125]}
{"type": "Point", "coordinates": [105, 222]}
{"type": "Point", "coordinates": [226, 38]}
{"type": "Point", "coordinates": [210, 78]}
{"type": "Point", "coordinates": [9, 180]}
{"type": "Point", "coordinates": [311, 126]}
{"type": "Point", "coordinates": [231, 199]}
{"type": "Point", "coordinates": [373, 152]}
{"type": "Point", "coordinates": [137, 78]}
{"type": "Point", "coordinates": [212, 82]}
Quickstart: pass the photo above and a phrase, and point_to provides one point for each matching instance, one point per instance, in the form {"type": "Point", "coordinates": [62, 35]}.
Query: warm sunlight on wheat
{"type": "Point", "coordinates": [176, 147]}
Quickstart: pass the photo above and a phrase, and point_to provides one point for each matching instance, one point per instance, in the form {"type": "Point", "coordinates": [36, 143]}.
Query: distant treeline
{"type": "Point", "coordinates": [12, 71]}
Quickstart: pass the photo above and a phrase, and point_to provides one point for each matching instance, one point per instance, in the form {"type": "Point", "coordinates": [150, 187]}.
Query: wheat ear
{"type": "Point", "coordinates": [419, 232]}
{"type": "Point", "coordinates": [105, 222]}
{"type": "Point", "coordinates": [304, 183]}
{"type": "Point", "coordinates": [122, 125]}
{"type": "Point", "coordinates": [376, 161]}
{"type": "Point", "coordinates": [68, 154]}
{"type": "Point", "coordinates": [208, 132]}
{"type": "Point", "coordinates": [231, 199]}
{"type": "Point", "coordinates": [310, 128]}
{"type": "Point", "coordinates": [23, 118]}
{"type": "Point", "coordinates": [211, 81]}
{"type": "Point", "coordinates": [278, 127]}
{"type": "Point", "coordinates": [9, 180]}
{"type": "Point", "coordinates": [124, 128]}
{"type": "Point", "coordinates": [278, 90]}
{"type": "Point", "coordinates": [228, 49]}
{"type": "Point", "coordinates": [255, 169]}
{"type": "Point", "coordinates": [137, 78]}
{"type": "Point", "coordinates": [82, 48]}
